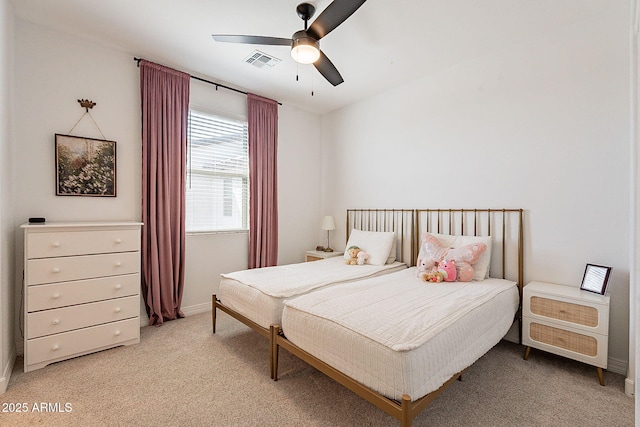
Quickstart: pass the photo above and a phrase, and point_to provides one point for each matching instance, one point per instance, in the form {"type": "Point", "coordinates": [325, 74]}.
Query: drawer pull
{"type": "Point", "coordinates": [55, 347]}
{"type": "Point", "coordinates": [118, 241]}
{"type": "Point", "coordinates": [118, 264]}
{"type": "Point", "coordinates": [55, 322]}
{"type": "Point", "coordinates": [56, 244]}
{"type": "Point", "coordinates": [118, 287]}
{"type": "Point", "coordinates": [56, 269]}
{"type": "Point", "coordinates": [56, 295]}
{"type": "Point", "coordinates": [116, 333]}
{"type": "Point", "coordinates": [117, 310]}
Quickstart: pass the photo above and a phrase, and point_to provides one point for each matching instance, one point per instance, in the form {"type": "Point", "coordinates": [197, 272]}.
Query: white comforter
{"type": "Point", "coordinates": [399, 310]}
{"type": "Point", "coordinates": [285, 281]}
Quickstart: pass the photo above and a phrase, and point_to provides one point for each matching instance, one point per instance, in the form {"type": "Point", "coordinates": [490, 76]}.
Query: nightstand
{"type": "Point", "coordinates": [567, 321]}
{"type": "Point", "coordinates": [318, 255]}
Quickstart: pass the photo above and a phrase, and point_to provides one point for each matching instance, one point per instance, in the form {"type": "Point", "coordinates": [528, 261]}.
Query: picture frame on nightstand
{"type": "Point", "coordinates": [596, 278]}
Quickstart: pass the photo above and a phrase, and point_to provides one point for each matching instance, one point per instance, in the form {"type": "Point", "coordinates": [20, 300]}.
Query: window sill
{"type": "Point", "coordinates": [203, 233]}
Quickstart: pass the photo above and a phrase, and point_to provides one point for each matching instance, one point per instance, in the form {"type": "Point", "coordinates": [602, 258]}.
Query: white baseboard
{"type": "Point", "coordinates": [6, 373]}
{"type": "Point", "coordinates": [188, 311]}
{"type": "Point", "coordinates": [618, 366]}
{"type": "Point", "coordinates": [629, 387]}
{"type": "Point", "coordinates": [197, 309]}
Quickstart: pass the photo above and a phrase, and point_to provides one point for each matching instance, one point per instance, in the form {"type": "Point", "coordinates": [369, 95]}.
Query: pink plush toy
{"type": "Point", "coordinates": [448, 270]}
{"type": "Point", "coordinates": [362, 257]}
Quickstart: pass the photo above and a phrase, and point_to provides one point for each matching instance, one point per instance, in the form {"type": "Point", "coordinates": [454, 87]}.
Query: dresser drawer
{"type": "Point", "coordinates": [589, 348]}
{"type": "Point", "coordinates": [566, 312]}
{"type": "Point", "coordinates": [75, 343]}
{"type": "Point", "coordinates": [44, 297]}
{"type": "Point", "coordinates": [67, 243]}
{"type": "Point", "coordinates": [48, 322]}
{"type": "Point", "coordinates": [53, 270]}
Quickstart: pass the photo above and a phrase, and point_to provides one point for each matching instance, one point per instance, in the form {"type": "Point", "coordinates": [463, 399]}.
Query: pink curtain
{"type": "Point", "coordinates": [165, 108]}
{"type": "Point", "coordinates": [263, 182]}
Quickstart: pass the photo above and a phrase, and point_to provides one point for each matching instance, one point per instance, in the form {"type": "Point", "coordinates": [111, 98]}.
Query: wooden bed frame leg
{"type": "Point", "coordinates": [274, 330]}
{"type": "Point", "coordinates": [527, 350]}
{"type": "Point", "coordinates": [406, 411]}
{"type": "Point", "coordinates": [213, 312]}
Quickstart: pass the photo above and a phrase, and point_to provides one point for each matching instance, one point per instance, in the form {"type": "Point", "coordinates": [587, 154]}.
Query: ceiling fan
{"type": "Point", "coordinates": [305, 44]}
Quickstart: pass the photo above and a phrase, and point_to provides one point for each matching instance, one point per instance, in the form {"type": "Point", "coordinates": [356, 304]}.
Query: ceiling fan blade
{"type": "Point", "coordinates": [328, 70]}
{"type": "Point", "coordinates": [335, 14]}
{"type": "Point", "coordinates": [229, 38]}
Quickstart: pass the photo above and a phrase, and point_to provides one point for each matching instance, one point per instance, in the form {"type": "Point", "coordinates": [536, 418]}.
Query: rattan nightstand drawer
{"type": "Point", "coordinates": [562, 338]}
{"type": "Point", "coordinates": [566, 306]}
{"type": "Point", "coordinates": [566, 311]}
{"type": "Point", "coordinates": [568, 342]}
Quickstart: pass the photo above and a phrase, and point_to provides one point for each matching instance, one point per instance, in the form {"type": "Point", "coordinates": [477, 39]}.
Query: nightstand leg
{"type": "Point", "coordinates": [527, 350]}
{"type": "Point", "coordinates": [600, 375]}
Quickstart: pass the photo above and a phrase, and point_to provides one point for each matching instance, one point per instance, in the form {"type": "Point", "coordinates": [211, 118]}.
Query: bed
{"type": "Point", "coordinates": [255, 297]}
{"type": "Point", "coordinates": [398, 341]}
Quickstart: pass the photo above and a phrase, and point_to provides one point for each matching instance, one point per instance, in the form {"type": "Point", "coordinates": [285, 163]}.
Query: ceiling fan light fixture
{"type": "Point", "coordinates": [304, 49]}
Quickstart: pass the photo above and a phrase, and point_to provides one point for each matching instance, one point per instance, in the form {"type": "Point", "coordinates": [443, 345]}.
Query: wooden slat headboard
{"type": "Point", "coordinates": [401, 221]}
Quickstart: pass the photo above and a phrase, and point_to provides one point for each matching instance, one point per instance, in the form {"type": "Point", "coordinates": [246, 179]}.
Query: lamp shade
{"type": "Point", "coordinates": [304, 49]}
{"type": "Point", "coordinates": [328, 223]}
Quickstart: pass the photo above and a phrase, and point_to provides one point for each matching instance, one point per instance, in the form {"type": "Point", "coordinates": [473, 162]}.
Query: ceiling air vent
{"type": "Point", "coordinates": [261, 59]}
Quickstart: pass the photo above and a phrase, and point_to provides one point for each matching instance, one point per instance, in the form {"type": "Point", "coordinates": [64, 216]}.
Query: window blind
{"type": "Point", "coordinates": [217, 173]}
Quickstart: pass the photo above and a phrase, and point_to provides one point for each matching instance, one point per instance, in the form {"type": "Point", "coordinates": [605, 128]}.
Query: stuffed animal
{"type": "Point", "coordinates": [448, 270]}
{"type": "Point", "coordinates": [362, 257]}
{"type": "Point", "coordinates": [434, 276]}
{"type": "Point", "coordinates": [466, 257]}
{"type": "Point", "coordinates": [432, 252]}
{"type": "Point", "coordinates": [352, 254]}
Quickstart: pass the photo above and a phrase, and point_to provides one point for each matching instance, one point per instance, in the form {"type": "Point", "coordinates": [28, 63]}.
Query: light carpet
{"type": "Point", "coordinates": [183, 375]}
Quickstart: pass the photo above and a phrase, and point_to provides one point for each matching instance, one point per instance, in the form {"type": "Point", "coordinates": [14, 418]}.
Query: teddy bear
{"type": "Point", "coordinates": [434, 276]}
{"type": "Point", "coordinates": [352, 254]}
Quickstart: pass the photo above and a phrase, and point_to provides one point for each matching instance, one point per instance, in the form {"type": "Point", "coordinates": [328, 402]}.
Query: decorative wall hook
{"type": "Point", "coordinates": [86, 104]}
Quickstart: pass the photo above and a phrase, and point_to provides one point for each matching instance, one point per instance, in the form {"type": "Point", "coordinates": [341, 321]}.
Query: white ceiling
{"type": "Point", "coordinates": [384, 44]}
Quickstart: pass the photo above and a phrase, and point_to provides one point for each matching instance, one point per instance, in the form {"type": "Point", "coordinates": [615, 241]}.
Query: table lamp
{"type": "Point", "coordinates": [328, 224]}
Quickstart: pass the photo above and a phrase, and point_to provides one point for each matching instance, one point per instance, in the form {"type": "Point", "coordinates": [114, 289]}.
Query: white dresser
{"type": "Point", "coordinates": [567, 321]}
{"type": "Point", "coordinates": [81, 289]}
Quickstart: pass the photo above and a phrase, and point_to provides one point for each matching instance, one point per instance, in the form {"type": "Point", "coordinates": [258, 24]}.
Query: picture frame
{"type": "Point", "coordinates": [596, 278]}
{"type": "Point", "coordinates": [85, 166]}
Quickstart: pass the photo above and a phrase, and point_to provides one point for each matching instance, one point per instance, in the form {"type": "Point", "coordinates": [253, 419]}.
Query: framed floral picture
{"type": "Point", "coordinates": [85, 166]}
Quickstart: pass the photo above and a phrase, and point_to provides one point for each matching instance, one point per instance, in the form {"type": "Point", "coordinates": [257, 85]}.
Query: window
{"type": "Point", "coordinates": [217, 173]}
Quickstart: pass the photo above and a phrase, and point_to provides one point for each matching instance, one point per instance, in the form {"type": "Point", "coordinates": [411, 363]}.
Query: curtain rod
{"type": "Point", "coordinates": [217, 85]}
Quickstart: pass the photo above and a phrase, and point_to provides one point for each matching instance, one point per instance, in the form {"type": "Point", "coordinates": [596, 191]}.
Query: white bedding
{"type": "Point", "coordinates": [399, 335]}
{"type": "Point", "coordinates": [258, 294]}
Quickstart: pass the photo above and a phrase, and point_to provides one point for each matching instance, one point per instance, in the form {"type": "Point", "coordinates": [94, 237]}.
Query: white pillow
{"type": "Point", "coordinates": [376, 243]}
{"type": "Point", "coordinates": [481, 268]}
{"type": "Point", "coordinates": [392, 254]}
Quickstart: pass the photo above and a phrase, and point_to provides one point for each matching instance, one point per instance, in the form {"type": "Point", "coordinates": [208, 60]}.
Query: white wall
{"type": "Point", "coordinates": [544, 127]}
{"type": "Point", "coordinates": [7, 348]}
{"type": "Point", "coordinates": [53, 70]}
